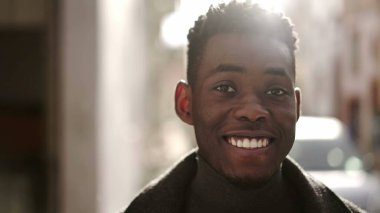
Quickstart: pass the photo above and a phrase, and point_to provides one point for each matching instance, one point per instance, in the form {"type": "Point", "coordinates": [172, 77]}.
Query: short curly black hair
{"type": "Point", "coordinates": [237, 17]}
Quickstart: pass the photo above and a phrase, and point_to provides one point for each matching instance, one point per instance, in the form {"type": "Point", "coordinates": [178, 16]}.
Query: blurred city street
{"type": "Point", "coordinates": [87, 95]}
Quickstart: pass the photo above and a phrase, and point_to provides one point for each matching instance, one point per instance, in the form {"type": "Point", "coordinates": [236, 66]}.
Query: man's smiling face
{"type": "Point", "coordinates": [244, 106]}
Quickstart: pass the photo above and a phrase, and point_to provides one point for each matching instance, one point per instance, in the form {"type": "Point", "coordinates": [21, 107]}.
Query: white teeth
{"type": "Point", "coordinates": [233, 141]}
{"type": "Point", "coordinates": [260, 143]}
{"type": "Point", "coordinates": [265, 142]}
{"type": "Point", "coordinates": [253, 143]}
{"type": "Point", "coordinates": [248, 143]}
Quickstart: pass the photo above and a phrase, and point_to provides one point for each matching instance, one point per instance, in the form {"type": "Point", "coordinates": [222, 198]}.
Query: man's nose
{"type": "Point", "coordinates": [251, 110]}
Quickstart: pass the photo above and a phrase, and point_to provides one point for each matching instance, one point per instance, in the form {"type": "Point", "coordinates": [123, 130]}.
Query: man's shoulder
{"type": "Point", "coordinates": [167, 192]}
{"type": "Point", "coordinates": [315, 194]}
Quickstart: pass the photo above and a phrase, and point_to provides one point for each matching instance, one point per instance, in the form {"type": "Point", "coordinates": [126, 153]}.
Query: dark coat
{"type": "Point", "coordinates": [167, 193]}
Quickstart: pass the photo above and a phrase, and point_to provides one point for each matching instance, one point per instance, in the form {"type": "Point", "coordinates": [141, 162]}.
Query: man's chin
{"type": "Point", "coordinates": [248, 180]}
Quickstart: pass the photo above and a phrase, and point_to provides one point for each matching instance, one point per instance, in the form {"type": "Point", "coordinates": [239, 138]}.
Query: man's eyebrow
{"type": "Point", "coordinates": [229, 68]}
{"type": "Point", "coordinates": [277, 71]}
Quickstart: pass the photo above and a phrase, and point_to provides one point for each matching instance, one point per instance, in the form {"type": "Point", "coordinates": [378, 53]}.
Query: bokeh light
{"type": "Point", "coordinates": [175, 26]}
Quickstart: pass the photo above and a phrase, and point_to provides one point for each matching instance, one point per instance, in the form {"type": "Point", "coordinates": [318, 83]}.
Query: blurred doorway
{"type": "Point", "coordinates": [25, 38]}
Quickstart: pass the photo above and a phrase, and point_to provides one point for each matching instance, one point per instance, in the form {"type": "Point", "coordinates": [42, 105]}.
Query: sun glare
{"type": "Point", "coordinates": [175, 26]}
{"type": "Point", "coordinates": [274, 5]}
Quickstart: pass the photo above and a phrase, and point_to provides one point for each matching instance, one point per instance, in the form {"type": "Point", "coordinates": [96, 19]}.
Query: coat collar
{"type": "Point", "coordinates": [167, 193]}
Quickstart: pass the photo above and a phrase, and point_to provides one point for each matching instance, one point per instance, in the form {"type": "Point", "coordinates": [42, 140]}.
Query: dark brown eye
{"type": "Point", "coordinates": [276, 92]}
{"type": "Point", "coordinates": [225, 88]}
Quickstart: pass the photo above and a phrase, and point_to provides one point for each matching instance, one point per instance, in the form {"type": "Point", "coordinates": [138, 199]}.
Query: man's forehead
{"type": "Point", "coordinates": [239, 49]}
{"type": "Point", "coordinates": [259, 43]}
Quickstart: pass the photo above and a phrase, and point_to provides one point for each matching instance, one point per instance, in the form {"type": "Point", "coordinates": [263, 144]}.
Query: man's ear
{"type": "Point", "coordinates": [298, 101]}
{"type": "Point", "coordinates": [183, 102]}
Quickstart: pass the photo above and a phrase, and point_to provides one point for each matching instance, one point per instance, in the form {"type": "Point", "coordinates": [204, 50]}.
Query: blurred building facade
{"type": "Point", "coordinates": [24, 65]}
{"type": "Point", "coordinates": [72, 104]}
{"type": "Point", "coordinates": [359, 74]}
{"type": "Point", "coordinates": [339, 66]}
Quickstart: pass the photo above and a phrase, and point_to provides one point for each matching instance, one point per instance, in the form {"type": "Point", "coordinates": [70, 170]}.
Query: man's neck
{"type": "Point", "coordinates": [210, 191]}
